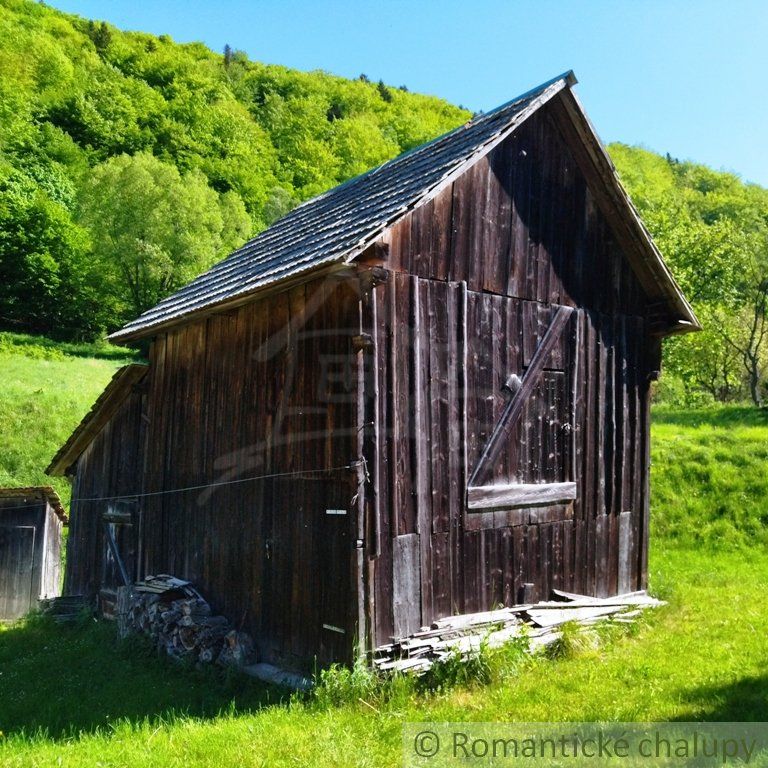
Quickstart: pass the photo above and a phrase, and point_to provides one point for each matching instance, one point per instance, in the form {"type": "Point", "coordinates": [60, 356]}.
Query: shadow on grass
{"type": "Point", "coordinates": [724, 416]}
{"type": "Point", "coordinates": [745, 700]}
{"type": "Point", "coordinates": [65, 680]}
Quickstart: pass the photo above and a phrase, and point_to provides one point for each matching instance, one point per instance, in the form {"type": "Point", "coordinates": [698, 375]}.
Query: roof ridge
{"type": "Point", "coordinates": [568, 76]}
{"type": "Point", "coordinates": [332, 226]}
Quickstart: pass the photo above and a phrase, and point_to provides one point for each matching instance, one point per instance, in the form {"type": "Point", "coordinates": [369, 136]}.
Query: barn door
{"type": "Point", "coordinates": [525, 458]}
{"type": "Point", "coordinates": [17, 561]}
{"type": "Point", "coordinates": [306, 574]}
{"type": "Point", "coordinates": [522, 444]}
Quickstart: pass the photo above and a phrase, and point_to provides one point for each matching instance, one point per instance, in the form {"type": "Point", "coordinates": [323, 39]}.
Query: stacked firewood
{"type": "Point", "coordinates": [539, 624]}
{"type": "Point", "coordinates": [182, 624]}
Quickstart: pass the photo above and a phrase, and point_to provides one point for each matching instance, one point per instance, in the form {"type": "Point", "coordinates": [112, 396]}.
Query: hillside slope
{"type": "Point", "coordinates": [75, 92]}
{"type": "Point", "coordinates": [46, 389]}
{"type": "Point", "coordinates": [129, 164]}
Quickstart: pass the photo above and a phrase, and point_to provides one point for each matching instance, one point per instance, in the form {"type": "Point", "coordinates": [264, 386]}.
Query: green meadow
{"type": "Point", "coordinates": [76, 696]}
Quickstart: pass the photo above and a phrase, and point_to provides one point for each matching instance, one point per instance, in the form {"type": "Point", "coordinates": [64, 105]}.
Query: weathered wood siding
{"type": "Point", "coordinates": [477, 274]}
{"type": "Point", "coordinates": [30, 551]}
{"type": "Point", "coordinates": [523, 222]}
{"type": "Point", "coordinates": [50, 577]}
{"type": "Point", "coordinates": [111, 466]}
{"type": "Point", "coordinates": [268, 389]}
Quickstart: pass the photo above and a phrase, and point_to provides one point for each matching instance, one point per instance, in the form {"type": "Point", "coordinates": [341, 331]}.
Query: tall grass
{"type": "Point", "coordinates": [709, 477]}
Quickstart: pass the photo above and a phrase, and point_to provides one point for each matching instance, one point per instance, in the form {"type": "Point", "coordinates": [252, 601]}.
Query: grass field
{"type": "Point", "coordinates": [75, 696]}
{"type": "Point", "coordinates": [710, 476]}
{"type": "Point", "coordinates": [45, 390]}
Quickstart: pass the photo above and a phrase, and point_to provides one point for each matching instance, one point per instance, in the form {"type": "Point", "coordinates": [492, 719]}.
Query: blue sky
{"type": "Point", "coordinates": [684, 77]}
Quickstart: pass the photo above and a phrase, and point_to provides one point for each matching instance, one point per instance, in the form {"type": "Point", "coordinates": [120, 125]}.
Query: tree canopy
{"type": "Point", "coordinates": [713, 230]}
{"type": "Point", "coordinates": [153, 230]}
{"type": "Point", "coordinates": [130, 163]}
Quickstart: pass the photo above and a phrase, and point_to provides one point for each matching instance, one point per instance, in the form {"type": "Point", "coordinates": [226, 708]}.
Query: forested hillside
{"type": "Point", "coordinates": [713, 231]}
{"type": "Point", "coordinates": [130, 164]}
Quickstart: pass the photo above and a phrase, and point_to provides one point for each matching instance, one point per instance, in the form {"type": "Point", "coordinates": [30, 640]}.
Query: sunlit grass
{"type": "Point", "coordinates": [45, 389]}
{"type": "Point", "coordinates": [702, 657]}
{"type": "Point", "coordinates": [710, 477]}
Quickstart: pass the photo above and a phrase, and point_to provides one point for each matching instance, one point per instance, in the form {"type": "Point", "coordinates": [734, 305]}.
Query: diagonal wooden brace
{"type": "Point", "coordinates": [112, 544]}
{"type": "Point", "coordinates": [521, 390]}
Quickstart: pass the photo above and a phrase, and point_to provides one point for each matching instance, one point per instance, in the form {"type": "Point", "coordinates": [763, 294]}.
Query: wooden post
{"type": "Point", "coordinates": [124, 597]}
{"type": "Point", "coordinates": [367, 537]}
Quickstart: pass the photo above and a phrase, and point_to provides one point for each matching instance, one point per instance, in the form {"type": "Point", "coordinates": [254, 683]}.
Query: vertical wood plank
{"type": "Point", "coordinates": [422, 438]}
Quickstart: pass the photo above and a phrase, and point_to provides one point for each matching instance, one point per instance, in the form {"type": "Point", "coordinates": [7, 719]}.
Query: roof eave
{"type": "Point", "coordinates": [47, 494]}
{"type": "Point", "coordinates": [328, 268]}
{"type": "Point", "coordinates": [679, 327]}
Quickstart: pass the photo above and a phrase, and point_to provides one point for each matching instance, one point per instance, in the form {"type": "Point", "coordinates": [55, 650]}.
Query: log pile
{"type": "Point", "coordinates": [540, 624]}
{"type": "Point", "coordinates": [182, 624]}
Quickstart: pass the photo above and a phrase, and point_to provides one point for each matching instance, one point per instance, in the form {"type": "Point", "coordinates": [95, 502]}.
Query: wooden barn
{"type": "Point", "coordinates": [31, 521]}
{"type": "Point", "coordinates": [422, 393]}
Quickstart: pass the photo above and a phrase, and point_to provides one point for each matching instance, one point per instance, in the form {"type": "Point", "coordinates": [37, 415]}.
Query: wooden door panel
{"type": "Point", "coordinates": [524, 458]}
{"type": "Point", "coordinates": [334, 519]}
{"type": "Point", "coordinates": [308, 550]}
{"type": "Point", "coordinates": [17, 562]}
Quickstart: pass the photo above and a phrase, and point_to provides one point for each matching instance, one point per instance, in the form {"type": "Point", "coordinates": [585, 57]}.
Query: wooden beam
{"type": "Point", "coordinates": [118, 518]}
{"type": "Point", "coordinates": [519, 495]}
{"type": "Point", "coordinates": [112, 544]}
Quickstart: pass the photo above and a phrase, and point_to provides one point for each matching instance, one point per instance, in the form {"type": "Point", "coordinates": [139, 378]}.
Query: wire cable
{"type": "Point", "coordinates": [132, 496]}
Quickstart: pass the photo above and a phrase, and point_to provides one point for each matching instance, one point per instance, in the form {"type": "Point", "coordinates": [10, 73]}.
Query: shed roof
{"type": "Point", "coordinates": [39, 493]}
{"type": "Point", "coordinates": [101, 412]}
{"type": "Point", "coordinates": [338, 225]}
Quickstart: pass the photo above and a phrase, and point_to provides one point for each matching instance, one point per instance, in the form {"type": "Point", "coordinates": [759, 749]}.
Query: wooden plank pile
{"type": "Point", "coordinates": [541, 623]}
{"type": "Point", "coordinates": [182, 624]}
{"type": "Point", "coordinates": [67, 609]}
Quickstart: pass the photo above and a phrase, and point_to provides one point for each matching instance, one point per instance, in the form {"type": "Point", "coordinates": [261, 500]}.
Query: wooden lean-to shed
{"type": "Point", "coordinates": [31, 521]}
{"type": "Point", "coordinates": [422, 393]}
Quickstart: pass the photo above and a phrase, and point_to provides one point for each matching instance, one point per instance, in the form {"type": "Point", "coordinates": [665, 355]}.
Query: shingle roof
{"type": "Point", "coordinates": [337, 225]}
{"type": "Point", "coordinates": [25, 496]}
